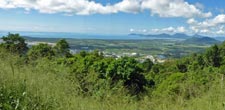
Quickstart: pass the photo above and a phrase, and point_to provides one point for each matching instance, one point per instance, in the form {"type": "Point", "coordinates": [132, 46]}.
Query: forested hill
{"type": "Point", "coordinates": [46, 77]}
{"type": "Point", "coordinates": [201, 40]}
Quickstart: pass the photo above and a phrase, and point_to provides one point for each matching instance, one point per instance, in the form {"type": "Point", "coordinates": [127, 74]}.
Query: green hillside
{"type": "Point", "coordinates": [201, 40]}
{"type": "Point", "coordinates": [46, 77]}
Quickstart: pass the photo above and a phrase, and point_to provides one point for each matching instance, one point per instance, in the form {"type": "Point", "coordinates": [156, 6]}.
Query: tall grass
{"type": "Point", "coordinates": [46, 86]}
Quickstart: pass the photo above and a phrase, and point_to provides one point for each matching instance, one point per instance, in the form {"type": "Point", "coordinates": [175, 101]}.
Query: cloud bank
{"type": "Point", "coordinates": [168, 30]}
{"type": "Point", "coordinates": [209, 26]}
{"type": "Point", "coordinates": [162, 8]}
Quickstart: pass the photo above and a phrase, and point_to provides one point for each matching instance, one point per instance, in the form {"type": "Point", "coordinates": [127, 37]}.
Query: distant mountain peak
{"type": "Point", "coordinates": [181, 36]}
{"type": "Point", "coordinates": [164, 36]}
{"type": "Point", "coordinates": [201, 40]}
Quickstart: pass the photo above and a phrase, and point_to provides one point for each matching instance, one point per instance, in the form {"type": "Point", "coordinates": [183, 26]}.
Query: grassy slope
{"type": "Point", "coordinates": [45, 86]}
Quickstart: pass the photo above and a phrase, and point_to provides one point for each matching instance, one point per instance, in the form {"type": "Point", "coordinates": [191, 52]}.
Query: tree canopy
{"type": "Point", "coordinates": [14, 43]}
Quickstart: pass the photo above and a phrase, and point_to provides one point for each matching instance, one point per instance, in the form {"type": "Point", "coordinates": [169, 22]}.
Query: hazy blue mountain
{"type": "Point", "coordinates": [200, 40]}
{"type": "Point", "coordinates": [220, 38]}
{"type": "Point", "coordinates": [163, 36]}
{"type": "Point", "coordinates": [178, 36]}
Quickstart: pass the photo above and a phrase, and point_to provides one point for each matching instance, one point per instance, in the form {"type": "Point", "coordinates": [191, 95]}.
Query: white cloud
{"type": "Point", "coordinates": [199, 5]}
{"type": "Point", "coordinates": [155, 30]}
{"type": "Point", "coordinates": [132, 30]}
{"type": "Point", "coordinates": [138, 30]}
{"type": "Point", "coordinates": [195, 29]}
{"type": "Point", "coordinates": [191, 21]}
{"type": "Point", "coordinates": [204, 31]}
{"type": "Point", "coordinates": [216, 21]}
{"type": "Point", "coordinates": [214, 25]}
{"type": "Point", "coordinates": [181, 29]}
{"type": "Point", "coordinates": [221, 32]}
{"type": "Point", "coordinates": [144, 30]}
{"type": "Point", "coordinates": [170, 30]}
{"type": "Point", "coordinates": [129, 6]}
{"type": "Point", "coordinates": [220, 19]}
{"type": "Point", "coordinates": [173, 8]}
{"type": "Point", "coordinates": [164, 8]}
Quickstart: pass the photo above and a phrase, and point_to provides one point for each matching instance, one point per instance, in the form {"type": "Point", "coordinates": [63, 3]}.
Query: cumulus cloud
{"type": "Point", "coordinates": [204, 31]}
{"type": "Point", "coordinates": [221, 32]}
{"type": "Point", "coordinates": [214, 25]}
{"type": "Point", "coordinates": [173, 8]}
{"type": "Point", "coordinates": [132, 30]}
{"type": "Point", "coordinates": [181, 29]}
{"type": "Point", "coordinates": [138, 31]}
{"type": "Point", "coordinates": [191, 21]}
{"type": "Point", "coordinates": [168, 30]}
{"type": "Point", "coordinates": [129, 6]}
{"type": "Point", "coordinates": [163, 8]}
{"type": "Point", "coordinates": [216, 21]}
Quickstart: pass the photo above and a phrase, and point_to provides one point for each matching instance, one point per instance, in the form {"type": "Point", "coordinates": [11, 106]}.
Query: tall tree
{"type": "Point", "coordinates": [62, 48]}
{"type": "Point", "coordinates": [147, 65]}
{"type": "Point", "coordinates": [14, 43]}
{"type": "Point", "coordinates": [213, 56]}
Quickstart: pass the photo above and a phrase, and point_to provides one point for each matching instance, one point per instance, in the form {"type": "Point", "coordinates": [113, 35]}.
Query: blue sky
{"type": "Point", "coordinates": [205, 17]}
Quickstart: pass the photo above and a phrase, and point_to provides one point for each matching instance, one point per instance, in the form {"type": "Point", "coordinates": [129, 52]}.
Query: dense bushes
{"type": "Point", "coordinates": [124, 70]}
{"type": "Point", "coordinates": [40, 51]}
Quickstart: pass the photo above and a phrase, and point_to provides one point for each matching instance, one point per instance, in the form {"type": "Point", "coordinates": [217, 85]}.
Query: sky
{"type": "Point", "coordinates": [206, 17]}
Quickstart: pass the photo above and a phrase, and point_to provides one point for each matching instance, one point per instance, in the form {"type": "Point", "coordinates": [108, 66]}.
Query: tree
{"type": "Point", "coordinates": [222, 52]}
{"type": "Point", "coordinates": [40, 51]}
{"type": "Point", "coordinates": [62, 48]}
{"type": "Point", "coordinates": [182, 68]}
{"type": "Point", "coordinates": [213, 56]}
{"type": "Point", "coordinates": [182, 65]}
{"type": "Point", "coordinates": [127, 70]}
{"type": "Point", "coordinates": [83, 53]}
{"type": "Point", "coordinates": [147, 65]}
{"type": "Point", "coordinates": [101, 66]}
{"type": "Point", "coordinates": [14, 43]}
{"type": "Point", "coordinates": [156, 68]}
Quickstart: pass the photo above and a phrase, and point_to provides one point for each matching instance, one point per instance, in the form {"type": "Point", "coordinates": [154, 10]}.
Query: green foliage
{"type": "Point", "coordinates": [213, 56]}
{"type": "Point", "coordinates": [62, 48]}
{"type": "Point", "coordinates": [40, 51]}
{"type": "Point", "coordinates": [171, 85]}
{"type": "Point", "coordinates": [101, 66]}
{"type": "Point", "coordinates": [83, 53]}
{"type": "Point", "coordinates": [88, 80]}
{"type": "Point", "coordinates": [14, 43]}
{"type": "Point", "coordinates": [127, 70]}
{"type": "Point", "coordinates": [182, 67]}
{"type": "Point", "coordinates": [17, 98]}
{"type": "Point", "coordinates": [147, 65]}
{"type": "Point", "coordinates": [156, 68]}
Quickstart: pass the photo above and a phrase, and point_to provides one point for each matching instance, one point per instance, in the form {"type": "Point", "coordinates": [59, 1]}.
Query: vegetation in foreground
{"type": "Point", "coordinates": [50, 78]}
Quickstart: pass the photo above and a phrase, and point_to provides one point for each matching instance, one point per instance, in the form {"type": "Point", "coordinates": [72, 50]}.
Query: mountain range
{"type": "Point", "coordinates": [186, 39]}
{"type": "Point", "coordinates": [201, 41]}
{"type": "Point", "coordinates": [175, 36]}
